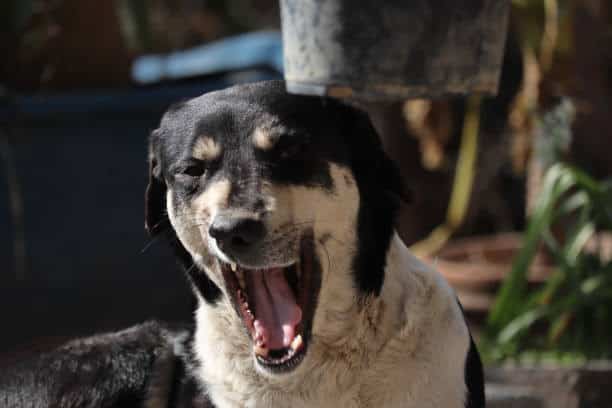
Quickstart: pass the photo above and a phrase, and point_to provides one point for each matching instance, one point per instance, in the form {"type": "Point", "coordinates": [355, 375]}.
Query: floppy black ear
{"type": "Point", "coordinates": [155, 195]}
{"type": "Point", "coordinates": [380, 190]}
{"type": "Point", "coordinates": [371, 159]}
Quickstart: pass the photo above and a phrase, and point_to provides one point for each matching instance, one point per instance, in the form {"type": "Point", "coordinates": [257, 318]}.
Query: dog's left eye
{"type": "Point", "coordinates": [195, 170]}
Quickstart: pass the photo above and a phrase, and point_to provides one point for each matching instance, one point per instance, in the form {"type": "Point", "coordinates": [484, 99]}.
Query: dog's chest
{"type": "Point", "coordinates": [413, 355]}
{"type": "Point", "coordinates": [364, 396]}
{"type": "Point", "coordinates": [383, 385]}
{"type": "Point", "coordinates": [403, 374]}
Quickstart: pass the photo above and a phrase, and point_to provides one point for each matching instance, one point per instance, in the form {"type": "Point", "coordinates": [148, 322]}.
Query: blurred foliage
{"type": "Point", "coordinates": [565, 51]}
{"type": "Point", "coordinates": [463, 181]}
{"type": "Point", "coordinates": [570, 316]}
{"type": "Point", "coordinates": [63, 44]}
{"type": "Point", "coordinates": [15, 14]}
{"type": "Point", "coordinates": [163, 25]}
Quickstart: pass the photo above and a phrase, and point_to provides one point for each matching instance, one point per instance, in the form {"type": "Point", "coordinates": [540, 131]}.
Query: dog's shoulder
{"type": "Point", "coordinates": [434, 333]}
{"type": "Point", "coordinates": [145, 365]}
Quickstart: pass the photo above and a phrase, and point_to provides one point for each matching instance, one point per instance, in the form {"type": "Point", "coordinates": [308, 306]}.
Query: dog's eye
{"type": "Point", "coordinates": [290, 149]}
{"type": "Point", "coordinates": [194, 170]}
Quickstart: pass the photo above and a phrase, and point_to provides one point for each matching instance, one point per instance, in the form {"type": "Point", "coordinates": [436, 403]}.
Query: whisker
{"type": "Point", "coordinates": [160, 223]}
{"type": "Point", "coordinates": [329, 263]}
{"type": "Point", "coordinates": [149, 244]}
{"type": "Point", "coordinates": [193, 265]}
{"type": "Point", "coordinates": [337, 240]}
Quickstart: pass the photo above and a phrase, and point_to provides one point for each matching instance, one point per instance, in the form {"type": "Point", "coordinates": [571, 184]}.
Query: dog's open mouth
{"type": "Point", "coordinates": [276, 305]}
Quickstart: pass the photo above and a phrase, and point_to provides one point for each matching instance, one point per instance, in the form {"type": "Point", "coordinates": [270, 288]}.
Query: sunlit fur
{"type": "Point", "coordinates": [263, 139]}
{"type": "Point", "coordinates": [206, 148]}
{"type": "Point", "coordinates": [404, 348]}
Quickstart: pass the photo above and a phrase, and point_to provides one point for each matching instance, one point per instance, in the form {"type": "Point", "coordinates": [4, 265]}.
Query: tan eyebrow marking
{"type": "Point", "coordinates": [263, 139]}
{"type": "Point", "coordinates": [214, 198]}
{"type": "Point", "coordinates": [206, 148]}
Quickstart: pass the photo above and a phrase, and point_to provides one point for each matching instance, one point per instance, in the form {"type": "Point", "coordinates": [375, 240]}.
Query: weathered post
{"type": "Point", "coordinates": [393, 50]}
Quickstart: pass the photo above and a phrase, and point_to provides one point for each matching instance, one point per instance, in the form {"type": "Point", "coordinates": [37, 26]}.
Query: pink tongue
{"type": "Point", "coordinates": [277, 313]}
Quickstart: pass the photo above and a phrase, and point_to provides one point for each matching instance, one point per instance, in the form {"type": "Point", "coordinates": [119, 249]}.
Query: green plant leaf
{"type": "Point", "coordinates": [573, 202]}
{"type": "Point", "coordinates": [583, 230]}
{"type": "Point", "coordinates": [512, 294]}
{"type": "Point", "coordinates": [592, 284]}
{"type": "Point", "coordinates": [520, 324]}
{"type": "Point", "coordinates": [559, 326]}
{"type": "Point", "coordinates": [135, 24]}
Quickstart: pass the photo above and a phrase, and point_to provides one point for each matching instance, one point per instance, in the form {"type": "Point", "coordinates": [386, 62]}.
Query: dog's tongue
{"type": "Point", "coordinates": [277, 312]}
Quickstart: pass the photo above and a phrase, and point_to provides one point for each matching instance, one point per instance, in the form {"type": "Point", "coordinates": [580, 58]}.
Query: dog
{"type": "Point", "coordinates": [280, 209]}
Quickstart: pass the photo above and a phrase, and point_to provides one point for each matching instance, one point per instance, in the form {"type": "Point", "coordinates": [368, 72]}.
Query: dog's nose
{"type": "Point", "coordinates": [235, 234]}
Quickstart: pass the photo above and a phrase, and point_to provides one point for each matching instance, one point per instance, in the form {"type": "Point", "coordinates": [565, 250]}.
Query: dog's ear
{"type": "Point", "coordinates": [375, 163]}
{"type": "Point", "coordinates": [155, 196]}
{"type": "Point", "coordinates": [380, 194]}
{"type": "Point", "coordinates": [388, 171]}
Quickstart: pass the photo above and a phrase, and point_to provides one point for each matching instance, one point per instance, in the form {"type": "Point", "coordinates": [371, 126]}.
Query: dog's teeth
{"type": "Point", "coordinates": [233, 266]}
{"type": "Point", "coordinates": [296, 343]}
{"type": "Point", "coordinates": [240, 278]}
{"type": "Point", "coordinates": [261, 350]}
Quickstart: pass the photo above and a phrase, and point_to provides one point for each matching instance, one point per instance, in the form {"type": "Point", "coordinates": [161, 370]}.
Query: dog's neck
{"type": "Point", "coordinates": [355, 343]}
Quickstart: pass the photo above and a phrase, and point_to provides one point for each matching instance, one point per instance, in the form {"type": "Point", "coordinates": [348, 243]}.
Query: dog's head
{"type": "Point", "coordinates": [282, 204]}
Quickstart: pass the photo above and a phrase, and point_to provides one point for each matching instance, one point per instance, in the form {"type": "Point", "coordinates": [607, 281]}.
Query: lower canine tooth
{"type": "Point", "coordinates": [296, 343]}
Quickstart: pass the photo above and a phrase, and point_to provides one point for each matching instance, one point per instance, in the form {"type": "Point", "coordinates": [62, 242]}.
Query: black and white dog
{"type": "Point", "coordinates": [281, 210]}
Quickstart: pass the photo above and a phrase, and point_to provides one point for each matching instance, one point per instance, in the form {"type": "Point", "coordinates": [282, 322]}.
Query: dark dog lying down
{"type": "Point", "coordinates": [281, 211]}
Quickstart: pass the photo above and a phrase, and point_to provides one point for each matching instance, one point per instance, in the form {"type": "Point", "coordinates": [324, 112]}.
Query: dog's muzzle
{"type": "Point", "coordinates": [275, 300]}
{"type": "Point", "coordinates": [236, 235]}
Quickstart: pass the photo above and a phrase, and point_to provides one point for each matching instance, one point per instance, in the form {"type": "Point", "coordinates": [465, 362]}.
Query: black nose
{"type": "Point", "coordinates": [236, 234]}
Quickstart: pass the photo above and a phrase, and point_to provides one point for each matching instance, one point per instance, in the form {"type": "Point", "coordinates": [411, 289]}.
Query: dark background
{"type": "Point", "coordinates": [74, 127]}
{"type": "Point", "coordinates": [74, 255]}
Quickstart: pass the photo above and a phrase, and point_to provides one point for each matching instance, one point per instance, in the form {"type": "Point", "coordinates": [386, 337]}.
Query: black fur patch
{"type": "Point", "coordinates": [474, 378]}
{"type": "Point", "coordinates": [379, 186]}
{"type": "Point", "coordinates": [206, 287]}
{"type": "Point", "coordinates": [113, 370]}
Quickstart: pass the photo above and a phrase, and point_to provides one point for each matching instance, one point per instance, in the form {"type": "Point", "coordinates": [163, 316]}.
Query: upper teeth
{"type": "Point", "coordinates": [233, 266]}
{"type": "Point", "coordinates": [297, 342]}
